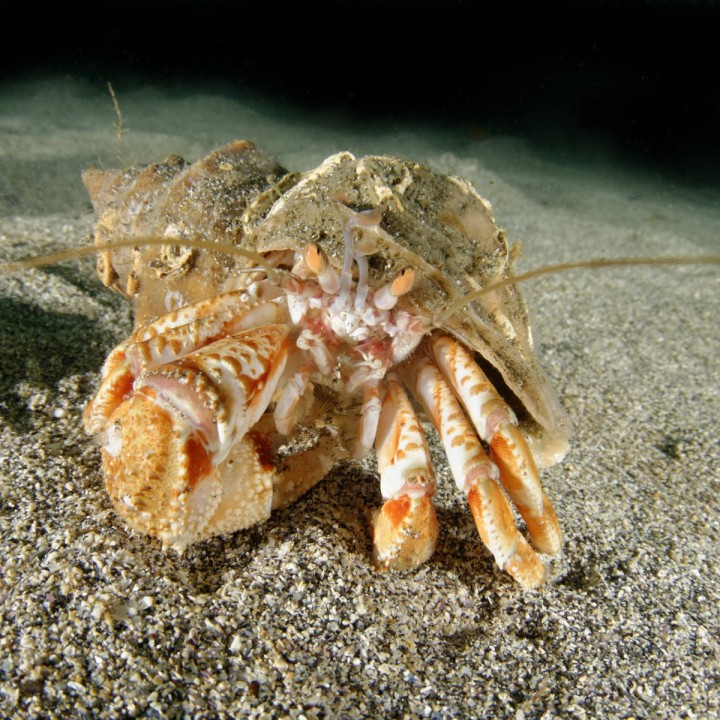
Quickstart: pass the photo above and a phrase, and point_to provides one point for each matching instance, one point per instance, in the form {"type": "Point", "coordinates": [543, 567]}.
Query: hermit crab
{"type": "Point", "coordinates": [318, 338]}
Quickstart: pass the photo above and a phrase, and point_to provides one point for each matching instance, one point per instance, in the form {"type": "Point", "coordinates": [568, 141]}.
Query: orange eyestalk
{"type": "Point", "coordinates": [315, 258]}
{"type": "Point", "coordinates": [404, 282]}
{"type": "Point", "coordinates": [386, 297]}
{"type": "Point", "coordinates": [316, 261]}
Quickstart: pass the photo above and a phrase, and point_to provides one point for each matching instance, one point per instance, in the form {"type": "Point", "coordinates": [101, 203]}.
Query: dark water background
{"type": "Point", "coordinates": [585, 81]}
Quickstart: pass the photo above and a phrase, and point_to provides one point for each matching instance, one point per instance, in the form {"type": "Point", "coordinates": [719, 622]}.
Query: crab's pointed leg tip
{"type": "Point", "coordinates": [525, 566]}
{"type": "Point", "coordinates": [405, 533]}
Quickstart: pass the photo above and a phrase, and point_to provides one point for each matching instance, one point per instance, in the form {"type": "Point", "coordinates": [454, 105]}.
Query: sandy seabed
{"type": "Point", "coordinates": [289, 619]}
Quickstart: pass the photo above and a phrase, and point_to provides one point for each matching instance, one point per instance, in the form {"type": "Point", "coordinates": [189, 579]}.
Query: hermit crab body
{"type": "Point", "coordinates": [250, 375]}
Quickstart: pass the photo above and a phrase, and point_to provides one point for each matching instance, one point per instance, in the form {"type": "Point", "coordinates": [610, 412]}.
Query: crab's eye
{"type": "Point", "coordinates": [317, 262]}
{"type": "Point", "coordinates": [403, 283]}
{"type": "Point", "coordinates": [315, 258]}
{"type": "Point", "coordinates": [386, 297]}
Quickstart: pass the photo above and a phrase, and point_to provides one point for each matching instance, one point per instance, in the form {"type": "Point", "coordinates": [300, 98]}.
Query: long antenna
{"type": "Point", "coordinates": [597, 264]}
{"type": "Point", "coordinates": [80, 252]}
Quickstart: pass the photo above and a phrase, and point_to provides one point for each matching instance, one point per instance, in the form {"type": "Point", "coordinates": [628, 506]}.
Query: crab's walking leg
{"type": "Point", "coordinates": [406, 528]}
{"type": "Point", "coordinates": [476, 475]}
{"type": "Point", "coordinates": [496, 425]}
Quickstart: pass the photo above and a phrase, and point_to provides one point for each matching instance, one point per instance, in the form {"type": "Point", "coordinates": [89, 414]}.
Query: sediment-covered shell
{"type": "Point", "coordinates": [178, 201]}
{"type": "Point", "coordinates": [436, 224]}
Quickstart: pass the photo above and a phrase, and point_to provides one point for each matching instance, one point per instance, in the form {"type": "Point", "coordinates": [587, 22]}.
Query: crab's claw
{"type": "Point", "coordinates": [179, 459]}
